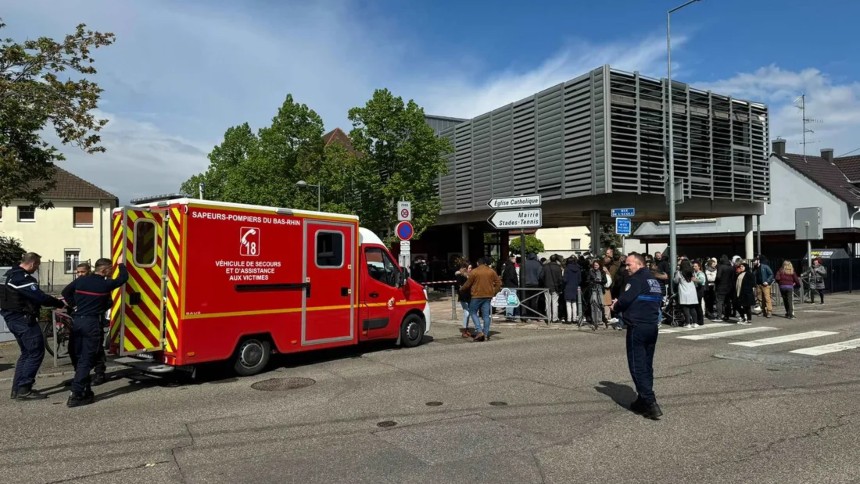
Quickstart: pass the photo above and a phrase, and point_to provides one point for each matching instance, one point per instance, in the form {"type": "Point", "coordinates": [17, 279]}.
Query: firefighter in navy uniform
{"type": "Point", "coordinates": [92, 300]}
{"type": "Point", "coordinates": [20, 301]}
{"type": "Point", "coordinates": [100, 365]}
{"type": "Point", "coordinates": [640, 305]}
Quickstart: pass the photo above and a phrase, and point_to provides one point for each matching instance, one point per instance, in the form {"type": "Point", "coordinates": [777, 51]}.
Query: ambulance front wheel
{"type": "Point", "coordinates": [411, 331]}
{"type": "Point", "coordinates": [252, 356]}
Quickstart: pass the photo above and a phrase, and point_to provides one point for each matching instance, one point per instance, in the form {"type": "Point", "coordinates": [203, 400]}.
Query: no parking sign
{"type": "Point", "coordinates": [404, 230]}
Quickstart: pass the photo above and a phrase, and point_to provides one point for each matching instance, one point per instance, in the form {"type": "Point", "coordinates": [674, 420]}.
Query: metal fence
{"type": "Point", "coordinates": [54, 275]}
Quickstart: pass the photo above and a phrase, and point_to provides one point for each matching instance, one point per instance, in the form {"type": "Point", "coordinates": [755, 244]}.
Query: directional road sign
{"type": "Point", "coordinates": [526, 218]}
{"type": "Point", "coordinates": [623, 212]}
{"type": "Point", "coordinates": [622, 226]}
{"type": "Point", "coordinates": [404, 230]}
{"type": "Point", "coordinates": [515, 202]}
{"type": "Point", "coordinates": [404, 211]}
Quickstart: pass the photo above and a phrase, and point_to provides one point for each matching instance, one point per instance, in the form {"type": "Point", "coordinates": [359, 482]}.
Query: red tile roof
{"type": "Point", "coordinates": [850, 165]}
{"type": "Point", "coordinates": [338, 136]}
{"type": "Point", "coordinates": [831, 176]}
{"type": "Point", "coordinates": [72, 187]}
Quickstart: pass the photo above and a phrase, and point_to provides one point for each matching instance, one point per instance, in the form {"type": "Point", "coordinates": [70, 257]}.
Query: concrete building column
{"type": "Point", "coordinates": [464, 240]}
{"type": "Point", "coordinates": [595, 232]}
{"type": "Point", "coordinates": [748, 237]}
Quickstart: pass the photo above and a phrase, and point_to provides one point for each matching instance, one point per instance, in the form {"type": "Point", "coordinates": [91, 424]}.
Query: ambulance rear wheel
{"type": "Point", "coordinates": [252, 356]}
{"type": "Point", "coordinates": [411, 331]}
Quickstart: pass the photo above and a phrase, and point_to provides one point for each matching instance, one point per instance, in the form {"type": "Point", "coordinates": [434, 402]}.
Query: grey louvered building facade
{"type": "Point", "coordinates": [599, 141]}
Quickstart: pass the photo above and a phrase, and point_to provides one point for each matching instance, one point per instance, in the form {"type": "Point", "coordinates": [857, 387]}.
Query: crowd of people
{"type": "Point", "coordinates": [580, 289]}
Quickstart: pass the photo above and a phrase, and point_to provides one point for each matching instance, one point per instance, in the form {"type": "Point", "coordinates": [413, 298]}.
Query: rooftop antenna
{"type": "Point", "coordinates": [800, 103]}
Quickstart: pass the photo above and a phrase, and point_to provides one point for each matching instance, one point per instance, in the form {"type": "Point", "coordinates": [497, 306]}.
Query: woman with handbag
{"type": "Point", "coordinates": [787, 280]}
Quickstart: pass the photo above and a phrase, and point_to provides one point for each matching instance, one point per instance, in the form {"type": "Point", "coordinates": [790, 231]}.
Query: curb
{"type": "Point", "coordinates": [534, 326]}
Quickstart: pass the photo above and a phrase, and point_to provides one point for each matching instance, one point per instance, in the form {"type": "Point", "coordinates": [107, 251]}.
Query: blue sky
{"type": "Point", "coordinates": [181, 73]}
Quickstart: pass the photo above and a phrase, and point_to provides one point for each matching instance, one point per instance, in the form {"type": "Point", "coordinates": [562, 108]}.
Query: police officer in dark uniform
{"type": "Point", "coordinates": [92, 300]}
{"type": "Point", "coordinates": [640, 305]}
{"type": "Point", "coordinates": [20, 301]}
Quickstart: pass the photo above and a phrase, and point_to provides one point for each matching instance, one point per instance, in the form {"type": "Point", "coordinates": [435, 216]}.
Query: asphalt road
{"type": "Point", "coordinates": [532, 405]}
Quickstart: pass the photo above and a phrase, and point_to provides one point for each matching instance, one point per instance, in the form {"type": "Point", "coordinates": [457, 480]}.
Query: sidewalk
{"type": "Point", "coordinates": [441, 313]}
{"type": "Point", "coordinates": [9, 356]}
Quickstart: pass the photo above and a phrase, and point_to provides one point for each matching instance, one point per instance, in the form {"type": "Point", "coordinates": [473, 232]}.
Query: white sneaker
{"type": "Point", "coordinates": [744, 322]}
{"type": "Point", "coordinates": [613, 320]}
{"type": "Point", "coordinates": [687, 326]}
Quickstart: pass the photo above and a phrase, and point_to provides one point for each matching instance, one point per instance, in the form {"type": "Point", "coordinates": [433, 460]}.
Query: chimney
{"type": "Point", "coordinates": [827, 154]}
{"type": "Point", "coordinates": [779, 147]}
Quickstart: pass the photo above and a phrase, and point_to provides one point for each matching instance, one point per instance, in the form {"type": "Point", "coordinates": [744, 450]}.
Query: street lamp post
{"type": "Point", "coordinates": [673, 239]}
{"type": "Point", "coordinates": [304, 184]}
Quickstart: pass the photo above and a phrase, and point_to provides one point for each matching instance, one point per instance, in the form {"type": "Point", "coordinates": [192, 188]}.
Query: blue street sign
{"type": "Point", "coordinates": [404, 230]}
{"type": "Point", "coordinates": [623, 212]}
{"type": "Point", "coordinates": [622, 226]}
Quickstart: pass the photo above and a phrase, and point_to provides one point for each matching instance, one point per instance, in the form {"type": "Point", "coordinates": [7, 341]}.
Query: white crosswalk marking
{"type": "Point", "coordinates": [680, 329]}
{"type": "Point", "coordinates": [727, 334]}
{"type": "Point", "coordinates": [784, 339]}
{"type": "Point", "coordinates": [831, 348]}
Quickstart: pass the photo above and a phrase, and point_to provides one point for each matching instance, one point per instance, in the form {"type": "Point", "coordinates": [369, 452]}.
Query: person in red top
{"type": "Point", "coordinates": [787, 280]}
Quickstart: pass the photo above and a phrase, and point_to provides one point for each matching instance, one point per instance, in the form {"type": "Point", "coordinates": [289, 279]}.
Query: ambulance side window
{"type": "Point", "coordinates": [144, 242]}
{"type": "Point", "coordinates": [329, 249]}
{"type": "Point", "coordinates": [380, 266]}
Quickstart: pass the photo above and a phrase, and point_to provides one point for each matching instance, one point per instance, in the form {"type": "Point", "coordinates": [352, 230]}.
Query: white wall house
{"type": "Point", "coordinates": [565, 241]}
{"type": "Point", "coordinates": [76, 229]}
{"type": "Point", "coordinates": [796, 182]}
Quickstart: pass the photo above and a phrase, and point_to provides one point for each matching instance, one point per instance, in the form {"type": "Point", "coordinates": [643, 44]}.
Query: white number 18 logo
{"type": "Point", "coordinates": [249, 241]}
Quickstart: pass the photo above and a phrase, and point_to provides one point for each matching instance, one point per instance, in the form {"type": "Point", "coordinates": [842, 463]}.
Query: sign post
{"type": "Point", "coordinates": [526, 218]}
{"type": "Point", "coordinates": [404, 231]}
{"type": "Point", "coordinates": [623, 212]}
{"type": "Point", "coordinates": [622, 218]}
{"type": "Point", "coordinates": [515, 202]}
{"type": "Point", "coordinates": [404, 211]}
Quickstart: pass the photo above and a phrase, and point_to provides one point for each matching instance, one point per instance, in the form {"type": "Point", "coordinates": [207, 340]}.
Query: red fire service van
{"type": "Point", "coordinates": [214, 281]}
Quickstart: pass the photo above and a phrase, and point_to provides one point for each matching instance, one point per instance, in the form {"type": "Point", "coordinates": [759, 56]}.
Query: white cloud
{"type": "Point", "coordinates": [834, 106]}
{"type": "Point", "coordinates": [453, 94]}
{"type": "Point", "coordinates": [141, 159]}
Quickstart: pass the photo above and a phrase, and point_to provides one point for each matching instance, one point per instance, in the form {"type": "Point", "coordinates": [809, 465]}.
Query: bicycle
{"type": "Point", "coordinates": [672, 313]}
{"type": "Point", "coordinates": [63, 323]}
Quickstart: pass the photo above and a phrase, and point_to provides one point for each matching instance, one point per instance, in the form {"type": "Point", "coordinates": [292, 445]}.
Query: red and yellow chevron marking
{"type": "Point", "coordinates": [174, 249]}
{"type": "Point", "coordinates": [116, 296]}
{"type": "Point", "coordinates": [142, 329]}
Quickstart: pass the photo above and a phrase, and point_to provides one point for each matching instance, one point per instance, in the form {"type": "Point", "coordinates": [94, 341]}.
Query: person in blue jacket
{"type": "Point", "coordinates": [20, 302]}
{"type": "Point", "coordinates": [639, 304]}
{"type": "Point", "coordinates": [764, 278]}
{"type": "Point", "coordinates": [92, 300]}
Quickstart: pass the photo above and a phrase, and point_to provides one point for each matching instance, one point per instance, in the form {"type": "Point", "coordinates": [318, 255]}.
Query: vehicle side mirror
{"type": "Point", "coordinates": [402, 276]}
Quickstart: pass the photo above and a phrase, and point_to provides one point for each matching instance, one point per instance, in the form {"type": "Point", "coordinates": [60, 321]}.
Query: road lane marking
{"type": "Point", "coordinates": [726, 334]}
{"type": "Point", "coordinates": [784, 339]}
{"type": "Point", "coordinates": [679, 329]}
{"type": "Point", "coordinates": [831, 348]}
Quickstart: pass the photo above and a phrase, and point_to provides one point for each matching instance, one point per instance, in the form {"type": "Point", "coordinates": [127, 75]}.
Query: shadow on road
{"type": "Point", "coordinates": [622, 395]}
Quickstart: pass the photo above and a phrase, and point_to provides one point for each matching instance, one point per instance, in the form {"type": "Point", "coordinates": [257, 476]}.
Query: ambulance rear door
{"type": "Point", "coordinates": [137, 313]}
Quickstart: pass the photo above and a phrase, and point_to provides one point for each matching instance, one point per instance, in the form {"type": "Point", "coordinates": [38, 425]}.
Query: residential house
{"type": "Point", "coordinates": [76, 229]}
{"type": "Point", "coordinates": [797, 181]}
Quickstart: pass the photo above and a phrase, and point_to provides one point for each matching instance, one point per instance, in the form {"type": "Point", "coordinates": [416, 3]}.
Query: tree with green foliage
{"type": "Point", "coordinates": [400, 158]}
{"type": "Point", "coordinates": [10, 251]}
{"type": "Point", "coordinates": [533, 245]}
{"type": "Point", "coordinates": [262, 168]}
{"type": "Point", "coordinates": [36, 90]}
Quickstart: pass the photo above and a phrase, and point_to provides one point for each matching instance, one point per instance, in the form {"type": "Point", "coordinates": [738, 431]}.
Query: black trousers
{"type": "Point", "coordinates": [641, 343]}
{"type": "Point", "coordinates": [86, 340]}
